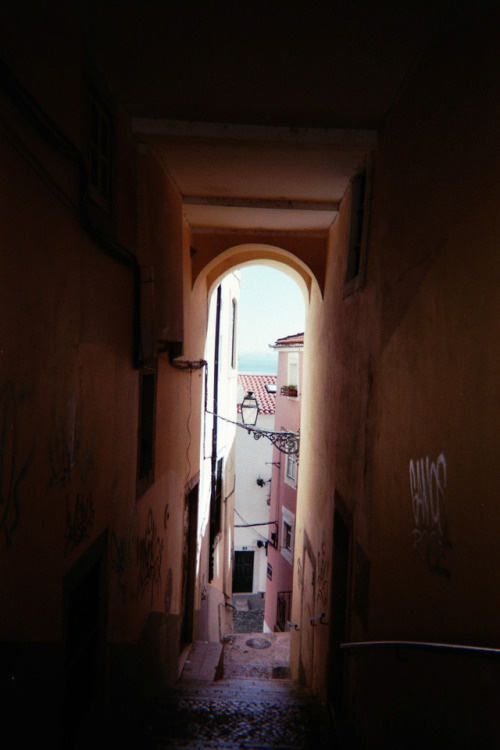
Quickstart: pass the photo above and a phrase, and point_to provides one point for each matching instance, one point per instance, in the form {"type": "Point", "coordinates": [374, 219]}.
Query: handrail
{"type": "Point", "coordinates": [319, 618]}
{"type": "Point", "coordinates": [423, 646]}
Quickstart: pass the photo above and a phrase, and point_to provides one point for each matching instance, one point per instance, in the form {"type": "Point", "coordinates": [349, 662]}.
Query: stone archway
{"type": "Point", "coordinates": [250, 253]}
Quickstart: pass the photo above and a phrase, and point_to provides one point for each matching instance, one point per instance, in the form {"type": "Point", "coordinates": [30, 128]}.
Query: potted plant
{"type": "Point", "coordinates": [289, 390]}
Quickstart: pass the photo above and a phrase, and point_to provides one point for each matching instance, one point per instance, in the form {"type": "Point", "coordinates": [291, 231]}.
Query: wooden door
{"type": "Point", "coordinates": [243, 571]}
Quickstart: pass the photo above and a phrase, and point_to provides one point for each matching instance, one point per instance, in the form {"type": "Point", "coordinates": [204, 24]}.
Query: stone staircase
{"type": "Point", "coordinates": [204, 711]}
{"type": "Point", "coordinates": [205, 663]}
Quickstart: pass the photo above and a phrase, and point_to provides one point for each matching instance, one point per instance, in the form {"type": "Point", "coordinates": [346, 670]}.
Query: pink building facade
{"type": "Point", "coordinates": [280, 548]}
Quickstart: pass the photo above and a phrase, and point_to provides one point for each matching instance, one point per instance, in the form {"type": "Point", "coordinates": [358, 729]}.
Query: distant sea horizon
{"type": "Point", "coordinates": [258, 363]}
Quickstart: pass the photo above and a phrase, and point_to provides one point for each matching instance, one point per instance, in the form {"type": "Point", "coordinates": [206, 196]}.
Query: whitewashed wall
{"type": "Point", "coordinates": [253, 460]}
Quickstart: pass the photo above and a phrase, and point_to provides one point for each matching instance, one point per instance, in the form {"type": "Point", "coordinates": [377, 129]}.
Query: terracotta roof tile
{"type": "Point", "coordinates": [294, 340]}
{"type": "Point", "coordinates": [257, 384]}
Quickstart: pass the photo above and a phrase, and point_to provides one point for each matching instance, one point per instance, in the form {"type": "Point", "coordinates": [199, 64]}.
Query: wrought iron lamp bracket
{"type": "Point", "coordinates": [285, 442]}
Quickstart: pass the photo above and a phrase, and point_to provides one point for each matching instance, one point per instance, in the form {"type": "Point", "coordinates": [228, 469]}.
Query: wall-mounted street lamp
{"type": "Point", "coordinates": [261, 482]}
{"type": "Point", "coordinates": [285, 442]}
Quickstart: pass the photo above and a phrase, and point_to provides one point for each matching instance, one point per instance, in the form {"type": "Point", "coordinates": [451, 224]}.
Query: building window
{"type": "Point", "coordinates": [293, 369]}
{"type": "Point", "coordinates": [358, 189]}
{"type": "Point", "coordinates": [147, 424]}
{"type": "Point", "coordinates": [287, 534]}
{"type": "Point", "coordinates": [356, 250]}
{"type": "Point", "coordinates": [291, 470]}
{"type": "Point", "coordinates": [99, 153]}
{"type": "Point", "coordinates": [234, 328]}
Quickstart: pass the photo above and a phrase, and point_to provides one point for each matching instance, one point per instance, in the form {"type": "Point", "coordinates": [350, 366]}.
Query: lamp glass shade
{"type": "Point", "coordinates": [249, 410]}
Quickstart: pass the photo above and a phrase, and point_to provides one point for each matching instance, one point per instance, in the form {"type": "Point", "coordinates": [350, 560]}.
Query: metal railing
{"type": "Point", "coordinates": [417, 694]}
{"type": "Point", "coordinates": [423, 646]}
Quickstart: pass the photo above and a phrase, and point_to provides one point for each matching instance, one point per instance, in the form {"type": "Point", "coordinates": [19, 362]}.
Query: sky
{"type": "Point", "coordinates": [271, 306]}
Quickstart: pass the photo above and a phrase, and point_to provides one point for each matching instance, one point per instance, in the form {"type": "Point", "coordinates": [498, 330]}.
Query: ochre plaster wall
{"type": "Point", "coordinates": [403, 371]}
{"type": "Point", "coordinates": [69, 405]}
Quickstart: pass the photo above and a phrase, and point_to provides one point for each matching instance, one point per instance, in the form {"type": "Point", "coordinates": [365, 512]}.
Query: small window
{"type": "Point", "coordinates": [147, 424]}
{"type": "Point", "coordinates": [287, 534]}
{"type": "Point", "coordinates": [291, 470]}
{"type": "Point", "coordinates": [358, 231]}
{"type": "Point", "coordinates": [293, 370]}
{"type": "Point", "coordinates": [234, 323]}
{"type": "Point", "coordinates": [270, 571]}
{"type": "Point", "coordinates": [99, 153]}
{"type": "Point", "coordinates": [358, 189]}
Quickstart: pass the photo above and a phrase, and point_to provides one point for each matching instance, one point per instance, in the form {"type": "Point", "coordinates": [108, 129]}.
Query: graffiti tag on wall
{"type": "Point", "coordinates": [117, 554]}
{"type": "Point", "coordinates": [66, 452]}
{"type": "Point", "coordinates": [79, 519]}
{"type": "Point", "coordinates": [149, 557]}
{"type": "Point", "coordinates": [13, 468]}
{"type": "Point", "coordinates": [427, 489]}
{"type": "Point", "coordinates": [300, 573]}
{"type": "Point", "coordinates": [323, 579]}
{"type": "Point", "coordinates": [168, 591]}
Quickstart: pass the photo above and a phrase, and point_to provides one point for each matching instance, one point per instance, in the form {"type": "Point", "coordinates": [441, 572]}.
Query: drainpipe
{"type": "Point", "coordinates": [216, 381]}
{"type": "Point", "coordinates": [215, 401]}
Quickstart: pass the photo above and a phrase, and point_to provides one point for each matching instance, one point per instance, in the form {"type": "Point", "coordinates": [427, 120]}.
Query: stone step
{"type": "Point", "coordinates": [244, 690]}
{"type": "Point", "coordinates": [239, 715]}
{"type": "Point", "coordinates": [204, 662]}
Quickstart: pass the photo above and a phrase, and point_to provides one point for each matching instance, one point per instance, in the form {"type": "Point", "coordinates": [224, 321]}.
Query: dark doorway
{"type": "Point", "coordinates": [215, 513]}
{"type": "Point", "coordinates": [340, 606]}
{"type": "Point", "coordinates": [85, 638]}
{"type": "Point", "coordinates": [243, 571]}
{"type": "Point", "coordinates": [189, 566]}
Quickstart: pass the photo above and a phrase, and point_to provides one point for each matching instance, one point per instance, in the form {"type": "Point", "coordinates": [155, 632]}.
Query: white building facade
{"type": "Point", "coordinates": [253, 489]}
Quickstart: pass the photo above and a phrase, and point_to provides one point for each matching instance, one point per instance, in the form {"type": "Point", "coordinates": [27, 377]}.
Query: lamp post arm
{"type": "Point", "coordinates": [285, 442]}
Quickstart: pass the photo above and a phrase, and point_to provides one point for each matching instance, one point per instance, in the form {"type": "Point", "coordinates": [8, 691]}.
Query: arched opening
{"type": "Point", "coordinates": [251, 561]}
{"type": "Point", "coordinates": [253, 254]}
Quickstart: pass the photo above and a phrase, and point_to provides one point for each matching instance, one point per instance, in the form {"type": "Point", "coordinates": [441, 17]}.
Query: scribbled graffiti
{"type": "Point", "coordinates": [300, 575]}
{"type": "Point", "coordinates": [322, 580]}
{"type": "Point", "coordinates": [67, 453]}
{"type": "Point", "coordinates": [118, 554]}
{"type": "Point", "coordinates": [430, 534]}
{"type": "Point", "coordinates": [13, 466]}
{"type": "Point", "coordinates": [79, 519]}
{"type": "Point", "coordinates": [168, 591]}
{"type": "Point", "coordinates": [118, 558]}
{"type": "Point", "coordinates": [149, 556]}
{"type": "Point", "coordinates": [166, 516]}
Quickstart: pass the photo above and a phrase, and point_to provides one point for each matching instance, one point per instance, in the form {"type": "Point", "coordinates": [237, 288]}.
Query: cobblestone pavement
{"type": "Point", "coordinates": [248, 615]}
{"type": "Point", "coordinates": [249, 621]}
{"type": "Point", "coordinates": [239, 714]}
{"type": "Point", "coordinates": [257, 655]}
{"type": "Point", "coordinates": [251, 708]}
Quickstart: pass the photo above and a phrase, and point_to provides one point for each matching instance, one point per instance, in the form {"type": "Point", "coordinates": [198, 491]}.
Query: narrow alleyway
{"type": "Point", "coordinates": [254, 705]}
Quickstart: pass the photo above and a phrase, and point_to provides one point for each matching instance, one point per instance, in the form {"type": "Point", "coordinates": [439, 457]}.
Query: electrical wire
{"type": "Point", "coordinates": [247, 525]}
